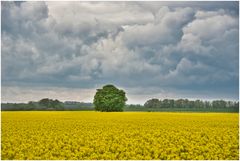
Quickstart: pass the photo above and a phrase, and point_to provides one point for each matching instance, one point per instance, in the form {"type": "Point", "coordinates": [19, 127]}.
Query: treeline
{"type": "Point", "coordinates": [47, 104]}
{"type": "Point", "coordinates": [186, 105]}
{"type": "Point", "coordinates": [150, 105]}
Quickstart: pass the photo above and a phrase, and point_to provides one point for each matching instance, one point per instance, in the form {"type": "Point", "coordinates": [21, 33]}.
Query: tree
{"type": "Point", "coordinates": [30, 105]}
{"type": "Point", "coordinates": [153, 103]}
{"type": "Point", "coordinates": [109, 98]}
{"type": "Point", "coordinates": [45, 102]}
{"type": "Point", "coordinates": [199, 104]}
{"type": "Point", "coordinates": [49, 103]}
{"type": "Point", "coordinates": [219, 104]}
{"type": "Point", "coordinates": [56, 104]}
{"type": "Point", "coordinates": [179, 103]}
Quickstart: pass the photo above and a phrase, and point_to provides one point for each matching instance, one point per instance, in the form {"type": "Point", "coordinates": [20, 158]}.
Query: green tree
{"type": "Point", "coordinates": [56, 104]}
{"type": "Point", "coordinates": [219, 104]}
{"type": "Point", "coordinates": [165, 103]}
{"type": "Point", "coordinates": [49, 103]}
{"type": "Point", "coordinates": [109, 98]}
{"type": "Point", "coordinates": [198, 104]}
{"type": "Point", "coordinates": [153, 103]}
{"type": "Point", "coordinates": [30, 105]}
{"type": "Point", "coordinates": [45, 102]}
{"type": "Point", "coordinates": [179, 103]}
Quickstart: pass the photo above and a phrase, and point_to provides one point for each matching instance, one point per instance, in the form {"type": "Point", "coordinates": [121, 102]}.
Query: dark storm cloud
{"type": "Point", "coordinates": [165, 46]}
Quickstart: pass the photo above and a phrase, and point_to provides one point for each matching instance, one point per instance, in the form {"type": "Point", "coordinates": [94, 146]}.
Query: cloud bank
{"type": "Point", "coordinates": [151, 49]}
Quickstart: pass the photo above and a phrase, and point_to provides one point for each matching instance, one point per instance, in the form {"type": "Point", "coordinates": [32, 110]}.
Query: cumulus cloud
{"type": "Point", "coordinates": [167, 46]}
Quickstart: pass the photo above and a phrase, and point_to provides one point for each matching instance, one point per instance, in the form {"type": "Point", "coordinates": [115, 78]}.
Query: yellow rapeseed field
{"type": "Point", "coordinates": [123, 135]}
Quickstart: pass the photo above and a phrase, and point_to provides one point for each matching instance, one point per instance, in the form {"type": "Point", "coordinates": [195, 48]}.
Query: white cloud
{"type": "Point", "coordinates": [210, 27]}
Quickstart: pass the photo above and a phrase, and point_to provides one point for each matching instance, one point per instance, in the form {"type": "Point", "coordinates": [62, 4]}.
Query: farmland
{"type": "Point", "coordinates": [127, 135]}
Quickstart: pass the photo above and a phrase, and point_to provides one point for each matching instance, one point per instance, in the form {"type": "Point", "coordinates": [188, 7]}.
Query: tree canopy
{"type": "Point", "coordinates": [185, 103]}
{"type": "Point", "coordinates": [49, 103]}
{"type": "Point", "coordinates": [109, 98]}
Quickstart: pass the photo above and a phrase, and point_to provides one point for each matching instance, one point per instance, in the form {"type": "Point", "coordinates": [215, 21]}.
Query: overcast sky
{"type": "Point", "coordinates": [66, 50]}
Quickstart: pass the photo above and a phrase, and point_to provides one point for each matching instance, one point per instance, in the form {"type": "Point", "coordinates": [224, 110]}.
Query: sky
{"type": "Point", "coordinates": [66, 50]}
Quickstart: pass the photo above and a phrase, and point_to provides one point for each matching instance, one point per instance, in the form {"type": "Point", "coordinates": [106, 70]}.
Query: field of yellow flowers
{"type": "Point", "coordinates": [124, 135]}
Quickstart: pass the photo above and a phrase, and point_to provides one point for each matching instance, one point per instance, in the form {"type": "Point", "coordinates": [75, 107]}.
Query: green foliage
{"type": "Point", "coordinates": [194, 105]}
{"type": "Point", "coordinates": [152, 103]}
{"type": "Point", "coordinates": [51, 104]}
{"type": "Point", "coordinates": [109, 98]}
{"type": "Point", "coordinates": [45, 106]}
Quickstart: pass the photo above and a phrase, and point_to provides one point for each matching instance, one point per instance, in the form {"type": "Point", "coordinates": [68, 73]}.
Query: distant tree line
{"type": "Point", "coordinates": [47, 104]}
{"type": "Point", "coordinates": [185, 105]}
{"type": "Point", "coordinates": [194, 104]}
